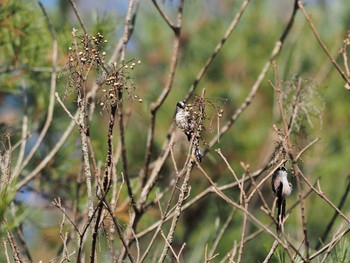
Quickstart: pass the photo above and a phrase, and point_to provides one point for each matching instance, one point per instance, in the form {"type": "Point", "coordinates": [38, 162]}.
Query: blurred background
{"type": "Point", "coordinates": [25, 63]}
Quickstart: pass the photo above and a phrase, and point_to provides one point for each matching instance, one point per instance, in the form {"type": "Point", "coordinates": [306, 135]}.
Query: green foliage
{"type": "Point", "coordinates": [341, 252]}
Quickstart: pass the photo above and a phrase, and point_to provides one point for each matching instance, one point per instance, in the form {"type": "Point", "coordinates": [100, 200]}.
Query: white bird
{"type": "Point", "coordinates": [281, 189]}
{"type": "Point", "coordinates": [186, 122]}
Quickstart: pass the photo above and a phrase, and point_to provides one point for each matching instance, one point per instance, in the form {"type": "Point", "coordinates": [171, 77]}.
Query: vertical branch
{"type": "Point", "coordinates": [217, 49]}
{"type": "Point", "coordinates": [244, 226]}
{"type": "Point", "coordinates": [120, 46]}
{"type": "Point", "coordinates": [120, 110]}
{"type": "Point", "coordinates": [334, 217]}
{"type": "Point", "coordinates": [276, 50]}
{"type": "Point", "coordinates": [24, 129]}
{"type": "Point", "coordinates": [165, 92]}
{"type": "Point", "coordinates": [320, 42]}
{"type": "Point", "coordinates": [222, 231]}
{"type": "Point", "coordinates": [51, 96]}
{"type": "Point", "coordinates": [184, 191]}
{"type": "Point", "coordinates": [106, 179]}
{"type": "Point", "coordinates": [287, 144]}
{"type": "Point", "coordinates": [164, 214]}
{"type": "Point", "coordinates": [81, 101]}
{"type": "Point", "coordinates": [48, 157]}
{"type": "Point", "coordinates": [74, 6]}
{"type": "Point", "coordinates": [7, 256]}
{"type": "Point", "coordinates": [11, 239]}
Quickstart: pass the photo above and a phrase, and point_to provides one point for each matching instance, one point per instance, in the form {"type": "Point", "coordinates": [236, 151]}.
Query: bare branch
{"type": "Point", "coordinates": [320, 42]}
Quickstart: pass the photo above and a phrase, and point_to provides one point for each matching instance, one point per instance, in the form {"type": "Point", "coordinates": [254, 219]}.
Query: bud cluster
{"type": "Point", "coordinates": [86, 53]}
{"type": "Point", "coordinates": [117, 81]}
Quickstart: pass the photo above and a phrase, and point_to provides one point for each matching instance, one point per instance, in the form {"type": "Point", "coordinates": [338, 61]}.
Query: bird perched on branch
{"type": "Point", "coordinates": [185, 121]}
{"type": "Point", "coordinates": [281, 189]}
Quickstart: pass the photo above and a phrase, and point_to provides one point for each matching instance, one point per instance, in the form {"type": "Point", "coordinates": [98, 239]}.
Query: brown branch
{"type": "Point", "coordinates": [244, 226]}
{"type": "Point", "coordinates": [287, 145]}
{"type": "Point", "coordinates": [23, 243]}
{"type": "Point", "coordinates": [74, 6]}
{"type": "Point", "coordinates": [320, 42]}
{"type": "Point", "coordinates": [165, 17]}
{"type": "Point", "coordinates": [106, 179]}
{"type": "Point", "coordinates": [48, 157]}
{"type": "Point", "coordinates": [324, 197]}
{"type": "Point", "coordinates": [164, 94]}
{"type": "Point", "coordinates": [7, 256]}
{"type": "Point", "coordinates": [182, 196]}
{"type": "Point", "coordinates": [272, 250]}
{"type": "Point", "coordinates": [11, 239]}
{"type": "Point", "coordinates": [217, 49]}
{"type": "Point", "coordinates": [118, 49]}
{"type": "Point", "coordinates": [121, 114]}
{"type": "Point", "coordinates": [332, 221]}
{"type": "Point", "coordinates": [221, 233]}
{"type": "Point", "coordinates": [241, 208]}
{"type": "Point", "coordinates": [276, 50]}
{"type": "Point", "coordinates": [164, 215]}
{"type": "Point", "coordinates": [50, 109]}
{"type": "Point", "coordinates": [332, 243]}
{"type": "Point", "coordinates": [119, 231]}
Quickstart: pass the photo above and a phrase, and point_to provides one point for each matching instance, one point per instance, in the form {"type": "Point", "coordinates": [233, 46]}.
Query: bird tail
{"type": "Point", "coordinates": [281, 208]}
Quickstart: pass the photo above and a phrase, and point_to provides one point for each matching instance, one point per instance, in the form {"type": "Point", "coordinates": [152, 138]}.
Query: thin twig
{"type": "Point", "coordinates": [11, 239]}
{"type": "Point", "coordinates": [118, 48]}
{"type": "Point", "coordinates": [244, 226]}
{"type": "Point", "coordinates": [65, 109]}
{"type": "Point", "coordinates": [324, 197]}
{"type": "Point", "coordinates": [335, 215]}
{"type": "Point", "coordinates": [50, 109]}
{"type": "Point", "coordinates": [320, 42]}
{"type": "Point", "coordinates": [221, 233]}
{"type": "Point", "coordinates": [119, 108]}
{"type": "Point", "coordinates": [240, 207]}
{"type": "Point", "coordinates": [287, 145]}
{"type": "Point", "coordinates": [276, 50]}
{"type": "Point", "coordinates": [163, 215]}
{"type": "Point", "coordinates": [48, 157]}
{"type": "Point", "coordinates": [332, 243]}
{"type": "Point", "coordinates": [78, 16]}
{"type": "Point", "coordinates": [120, 233]}
{"type": "Point", "coordinates": [164, 15]}
{"type": "Point", "coordinates": [164, 94]}
{"type": "Point", "coordinates": [182, 196]}
{"type": "Point", "coordinates": [7, 256]}
{"type": "Point", "coordinates": [272, 250]}
{"type": "Point", "coordinates": [24, 129]}
{"type": "Point", "coordinates": [23, 243]}
{"type": "Point", "coordinates": [217, 49]}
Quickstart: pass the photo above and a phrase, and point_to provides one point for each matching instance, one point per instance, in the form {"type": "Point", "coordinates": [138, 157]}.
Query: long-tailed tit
{"type": "Point", "coordinates": [281, 189]}
{"type": "Point", "coordinates": [185, 121]}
